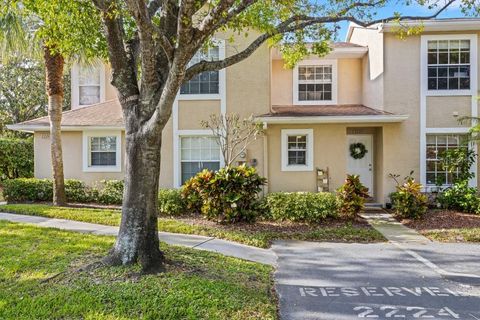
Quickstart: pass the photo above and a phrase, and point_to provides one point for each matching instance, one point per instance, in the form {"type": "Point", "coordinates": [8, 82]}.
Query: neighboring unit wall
{"type": "Point", "coordinates": [401, 96]}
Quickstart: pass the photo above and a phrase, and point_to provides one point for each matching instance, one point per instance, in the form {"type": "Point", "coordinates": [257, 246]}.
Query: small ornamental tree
{"type": "Point", "coordinates": [151, 45]}
{"type": "Point", "coordinates": [233, 134]}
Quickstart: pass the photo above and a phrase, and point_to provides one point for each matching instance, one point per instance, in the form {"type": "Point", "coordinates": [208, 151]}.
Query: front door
{"type": "Point", "coordinates": [360, 158]}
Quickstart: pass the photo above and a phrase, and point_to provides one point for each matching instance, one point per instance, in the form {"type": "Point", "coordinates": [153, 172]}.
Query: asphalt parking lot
{"type": "Point", "coordinates": [379, 281]}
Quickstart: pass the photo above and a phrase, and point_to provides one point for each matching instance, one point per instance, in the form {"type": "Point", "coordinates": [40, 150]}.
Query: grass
{"type": "Point", "coordinates": [453, 235]}
{"type": "Point", "coordinates": [260, 238]}
{"type": "Point", "coordinates": [196, 284]}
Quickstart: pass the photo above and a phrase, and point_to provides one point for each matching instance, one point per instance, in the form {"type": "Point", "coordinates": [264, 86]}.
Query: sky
{"type": "Point", "coordinates": [451, 12]}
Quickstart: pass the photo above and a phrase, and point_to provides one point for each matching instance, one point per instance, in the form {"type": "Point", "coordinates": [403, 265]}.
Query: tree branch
{"type": "Point", "coordinates": [294, 23]}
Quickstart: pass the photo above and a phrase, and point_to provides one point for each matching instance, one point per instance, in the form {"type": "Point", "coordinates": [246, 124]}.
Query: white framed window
{"type": "Point", "coordinates": [102, 151]}
{"type": "Point", "coordinates": [205, 84]}
{"type": "Point", "coordinates": [315, 82]}
{"type": "Point", "coordinates": [437, 144]}
{"type": "Point", "coordinates": [196, 154]}
{"type": "Point", "coordinates": [448, 64]}
{"type": "Point", "coordinates": [297, 150]}
{"type": "Point", "coordinates": [88, 84]}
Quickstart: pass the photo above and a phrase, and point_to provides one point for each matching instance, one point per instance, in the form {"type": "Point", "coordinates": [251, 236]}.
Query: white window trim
{"type": "Point", "coordinates": [221, 80]}
{"type": "Point", "coordinates": [473, 64]}
{"type": "Point", "coordinates": [316, 62]}
{"type": "Point", "coordinates": [309, 157]}
{"type": "Point", "coordinates": [177, 152]}
{"type": "Point", "coordinates": [85, 151]}
{"type": "Point", "coordinates": [75, 85]}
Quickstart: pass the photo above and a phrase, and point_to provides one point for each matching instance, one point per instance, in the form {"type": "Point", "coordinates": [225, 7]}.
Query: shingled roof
{"type": "Point", "coordinates": [104, 114]}
{"type": "Point", "coordinates": [324, 110]}
{"type": "Point", "coordinates": [328, 113]}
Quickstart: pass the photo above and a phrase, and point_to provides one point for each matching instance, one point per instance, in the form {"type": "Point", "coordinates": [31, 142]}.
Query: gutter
{"type": "Point", "coordinates": [33, 128]}
{"type": "Point", "coordinates": [334, 119]}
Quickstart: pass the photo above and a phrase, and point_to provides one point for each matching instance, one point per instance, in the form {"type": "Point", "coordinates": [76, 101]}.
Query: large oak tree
{"type": "Point", "coordinates": [150, 45]}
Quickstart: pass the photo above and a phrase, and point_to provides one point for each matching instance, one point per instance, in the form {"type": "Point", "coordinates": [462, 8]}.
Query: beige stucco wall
{"type": "Point", "coordinates": [372, 65]}
{"type": "Point", "coordinates": [192, 112]}
{"type": "Point", "coordinates": [349, 75]}
{"type": "Point", "coordinates": [440, 111]}
{"type": "Point", "coordinates": [72, 144]}
{"type": "Point", "coordinates": [329, 142]}
{"type": "Point", "coordinates": [110, 90]}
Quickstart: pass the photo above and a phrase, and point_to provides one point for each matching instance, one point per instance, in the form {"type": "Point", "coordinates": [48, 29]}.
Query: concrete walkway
{"type": "Point", "coordinates": [426, 251]}
{"type": "Point", "coordinates": [393, 230]}
{"type": "Point", "coordinates": [228, 248]}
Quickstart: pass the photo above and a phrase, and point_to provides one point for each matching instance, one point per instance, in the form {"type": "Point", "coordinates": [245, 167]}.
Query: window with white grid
{"type": "Point", "coordinates": [103, 151]}
{"type": "Point", "coordinates": [448, 64]}
{"type": "Point", "coordinates": [89, 85]}
{"type": "Point", "coordinates": [205, 82]}
{"type": "Point", "coordinates": [436, 146]}
{"type": "Point", "coordinates": [315, 82]}
{"type": "Point", "coordinates": [198, 153]}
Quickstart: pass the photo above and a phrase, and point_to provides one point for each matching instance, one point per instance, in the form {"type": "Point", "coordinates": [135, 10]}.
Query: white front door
{"type": "Point", "coordinates": [361, 165]}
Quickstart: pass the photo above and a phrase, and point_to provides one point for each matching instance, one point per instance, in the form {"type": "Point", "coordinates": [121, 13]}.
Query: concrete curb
{"type": "Point", "coordinates": [227, 248]}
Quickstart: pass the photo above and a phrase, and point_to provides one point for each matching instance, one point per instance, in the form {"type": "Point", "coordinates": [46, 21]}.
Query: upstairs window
{"type": "Point", "coordinates": [315, 83]}
{"type": "Point", "coordinates": [205, 82]}
{"type": "Point", "coordinates": [89, 85]}
{"type": "Point", "coordinates": [448, 65]}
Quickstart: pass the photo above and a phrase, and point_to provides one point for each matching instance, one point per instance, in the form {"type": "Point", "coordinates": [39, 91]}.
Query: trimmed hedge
{"type": "Point", "coordinates": [27, 189]}
{"type": "Point", "coordinates": [32, 189]}
{"type": "Point", "coordinates": [16, 158]}
{"type": "Point", "coordinates": [302, 206]}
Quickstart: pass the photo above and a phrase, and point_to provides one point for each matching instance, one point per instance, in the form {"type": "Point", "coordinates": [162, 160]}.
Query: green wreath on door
{"type": "Point", "coordinates": [358, 150]}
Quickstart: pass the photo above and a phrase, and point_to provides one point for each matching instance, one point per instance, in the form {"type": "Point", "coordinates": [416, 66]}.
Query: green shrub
{"type": "Point", "coordinates": [78, 191]}
{"type": "Point", "coordinates": [16, 158]}
{"type": "Point", "coordinates": [227, 195]}
{"type": "Point", "coordinates": [170, 202]}
{"type": "Point", "coordinates": [111, 192]}
{"type": "Point", "coordinates": [32, 189]}
{"type": "Point", "coordinates": [301, 206]}
{"type": "Point", "coordinates": [351, 197]}
{"type": "Point", "coordinates": [460, 197]}
{"type": "Point", "coordinates": [408, 200]}
{"type": "Point", "coordinates": [27, 189]}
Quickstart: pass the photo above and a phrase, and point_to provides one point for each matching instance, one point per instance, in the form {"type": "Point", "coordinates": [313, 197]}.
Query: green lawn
{"type": "Point", "coordinates": [260, 238]}
{"type": "Point", "coordinates": [196, 285]}
{"type": "Point", "coordinates": [454, 235]}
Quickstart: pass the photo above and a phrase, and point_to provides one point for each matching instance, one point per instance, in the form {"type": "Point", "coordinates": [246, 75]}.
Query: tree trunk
{"type": "Point", "coordinates": [54, 63]}
{"type": "Point", "coordinates": [137, 240]}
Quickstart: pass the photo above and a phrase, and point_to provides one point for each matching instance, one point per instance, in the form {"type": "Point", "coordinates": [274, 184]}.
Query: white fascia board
{"type": "Point", "coordinates": [333, 119]}
{"type": "Point", "coordinates": [437, 25]}
{"type": "Point", "coordinates": [32, 128]}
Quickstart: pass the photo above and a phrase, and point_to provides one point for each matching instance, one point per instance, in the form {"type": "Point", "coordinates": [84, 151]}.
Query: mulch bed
{"type": "Point", "coordinates": [444, 219]}
{"type": "Point", "coordinates": [272, 226]}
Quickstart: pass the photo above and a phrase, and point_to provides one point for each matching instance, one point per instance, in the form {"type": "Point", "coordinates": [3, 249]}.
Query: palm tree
{"type": "Point", "coordinates": [40, 26]}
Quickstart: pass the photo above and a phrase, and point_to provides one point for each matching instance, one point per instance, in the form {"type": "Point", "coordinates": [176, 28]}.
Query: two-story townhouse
{"type": "Point", "coordinates": [376, 104]}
